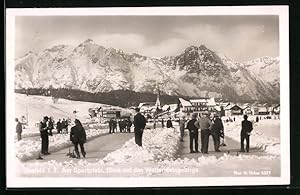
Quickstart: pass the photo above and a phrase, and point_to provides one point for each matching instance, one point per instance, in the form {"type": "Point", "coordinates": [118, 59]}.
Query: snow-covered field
{"type": "Point", "coordinates": [30, 149]}
{"type": "Point", "coordinates": [158, 144]}
{"type": "Point", "coordinates": [35, 107]}
{"type": "Point", "coordinates": [157, 157]}
{"type": "Point", "coordinates": [265, 134]}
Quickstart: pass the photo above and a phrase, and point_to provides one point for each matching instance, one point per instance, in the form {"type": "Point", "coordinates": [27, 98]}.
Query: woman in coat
{"type": "Point", "coordinates": [78, 137]}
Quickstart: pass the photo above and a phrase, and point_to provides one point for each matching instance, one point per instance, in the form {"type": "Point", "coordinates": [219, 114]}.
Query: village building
{"type": "Point", "coordinates": [204, 105]}
{"type": "Point", "coordinates": [185, 106]}
{"type": "Point", "coordinates": [247, 109]}
{"type": "Point", "coordinates": [263, 111]}
{"type": "Point", "coordinates": [233, 109]}
{"type": "Point", "coordinates": [276, 109]}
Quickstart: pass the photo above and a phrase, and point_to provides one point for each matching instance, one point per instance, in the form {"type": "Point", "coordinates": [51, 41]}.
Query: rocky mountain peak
{"type": "Point", "coordinates": [197, 71]}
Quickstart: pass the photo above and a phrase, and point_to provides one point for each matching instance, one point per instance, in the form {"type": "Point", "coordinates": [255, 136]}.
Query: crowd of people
{"type": "Point", "coordinates": [212, 127]}
{"type": "Point", "coordinates": [124, 125]}
{"type": "Point", "coordinates": [207, 126]}
{"type": "Point", "coordinates": [77, 134]}
{"type": "Point", "coordinates": [46, 126]}
{"type": "Point", "coordinates": [62, 125]}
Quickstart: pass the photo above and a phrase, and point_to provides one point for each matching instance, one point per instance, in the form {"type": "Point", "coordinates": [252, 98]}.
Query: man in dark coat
{"type": "Point", "coordinates": [44, 135]}
{"type": "Point", "coordinates": [194, 134]}
{"type": "Point", "coordinates": [169, 123]}
{"type": "Point", "coordinates": [139, 126]}
{"type": "Point", "coordinates": [245, 133]}
{"type": "Point", "coordinates": [78, 136]}
{"type": "Point", "coordinates": [58, 126]}
{"type": "Point", "coordinates": [110, 124]}
{"type": "Point", "coordinates": [64, 125]}
{"type": "Point", "coordinates": [217, 128]}
{"type": "Point", "coordinates": [128, 125]}
{"type": "Point", "coordinates": [114, 125]}
{"type": "Point", "coordinates": [18, 129]}
{"type": "Point", "coordinates": [181, 127]}
{"type": "Point", "coordinates": [50, 126]}
{"type": "Point", "coordinates": [162, 123]}
{"type": "Point", "coordinates": [257, 119]}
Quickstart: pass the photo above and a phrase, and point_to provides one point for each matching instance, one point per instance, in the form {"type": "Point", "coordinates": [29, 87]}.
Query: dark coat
{"type": "Point", "coordinates": [50, 125]}
{"type": "Point", "coordinates": [246, 127]}
{"type": "Point", "coordinates": [77, 134]}
{"type": "Point", "coordinates": [169, 124]}
{"type": "Point", "coordinates": [139, 121]}
{"type": "Point", "coordinates": [191, 126]}
{"type": "Point", "coordinates": [128, 123]}
{"type": "Point", "coordinates": [217, 126]}
{"type": "Point", "coordinates": [19, 127]}
{"type": "Point", "coordinates": [58, 126]}
{"type": "Point", "coordinates": [43, 129]}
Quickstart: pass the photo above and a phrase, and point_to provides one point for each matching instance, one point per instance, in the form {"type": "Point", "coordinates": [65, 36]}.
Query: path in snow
{"type": "Point", "coordinates": [232, 147]}
{"type": "Point", "coordinates": [96, 148]}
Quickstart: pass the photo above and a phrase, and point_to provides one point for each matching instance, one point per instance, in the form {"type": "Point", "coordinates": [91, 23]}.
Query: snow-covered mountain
{"type": "Point", "coordinates": [197, 71]}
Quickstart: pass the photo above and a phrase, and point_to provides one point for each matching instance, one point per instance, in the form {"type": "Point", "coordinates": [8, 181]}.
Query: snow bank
{"type": "Point", "coordinates": [157, 144]}
{"type": "Point", "coordinates": [265, 134]}
{"type": "Point", "coordinates": [155, 158]}
{"type": "Point", "coordinates": [29, 149]}
{"type": "Point", "coordinates": [36, 107]}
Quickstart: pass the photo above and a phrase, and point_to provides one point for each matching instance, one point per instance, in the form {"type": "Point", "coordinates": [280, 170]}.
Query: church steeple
{"type": "Point", "coordinates": [157, 103]}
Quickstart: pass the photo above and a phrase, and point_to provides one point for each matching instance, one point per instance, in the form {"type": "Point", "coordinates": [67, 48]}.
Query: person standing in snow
{"type": "Point", "coordinates": [216, 132]}
{"type": "Point", "coordinates": [18, 129]}
{"type": "Point", "coordinates": [64, 126]}
{"type": "Point", "coordinates": [50, 125]}
{"type": "Point", "coordinates": [128, 125]}
{"type": "Point", "coordinates": [245, 133]}
{"type": "Point", "coordinates": [110, 124]}
{"type": "Point", "coordinates": [205, 125]}
{"type": "Point", "coordinates": [58, 126]}
{"type": "Point", "coordinates": [139, 126]}
{"type": "Point", "coordinates": [162, 123]}
{"type": "Point", "coordinates": [114, 125]}
{"type": "Point", "coordinates": [257, 119]}
{"type": "Point", "coordinates": [44, 135]}
{"type": "Point", "coordinates": [181, 127]}
{"type": "Point", "coordinates": [169, 123]}
{"type": "Point", "coordinates": [78, 137]}
{"type": "Point", "coordinates": [194, 133]}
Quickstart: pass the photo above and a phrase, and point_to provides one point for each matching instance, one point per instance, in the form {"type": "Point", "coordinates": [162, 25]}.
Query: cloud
{"type": "Point", "coordinates": [128, 42]}
{"type": "Point", "coordinates": [241, 43]}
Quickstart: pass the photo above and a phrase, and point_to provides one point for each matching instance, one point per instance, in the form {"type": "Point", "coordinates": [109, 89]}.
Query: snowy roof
{"type": "Point", "coordinates": [262, 109]}
{"type": "Point", "coordinates": [229, 107]}
{"type": "Point", "coordinates": [199, 101]}
{"type": "Point", "coordinates": [224, 104]}
{"type": "Point", "coordinates": [173, 107]}
{"type": "Point", "coordinates": [211, 102]}
{"type": "Point", "coordinates": [184, 102]}
{"type": "Point", "coordinates": [165, 107]}
{"type": "Point", "coordinates": [244, 106]}
{"type": "Point", "coordinates": [218, 108]}
{"type": "Point", "coordinates": [146, 104]}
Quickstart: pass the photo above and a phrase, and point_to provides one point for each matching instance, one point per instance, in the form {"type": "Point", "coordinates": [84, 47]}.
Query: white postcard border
{"type": "Point", "coordinates": [13, 181]}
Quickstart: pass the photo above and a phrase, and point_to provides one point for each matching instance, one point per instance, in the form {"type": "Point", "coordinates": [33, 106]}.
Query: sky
{"type": "Point", "coordinates": [240, 38]}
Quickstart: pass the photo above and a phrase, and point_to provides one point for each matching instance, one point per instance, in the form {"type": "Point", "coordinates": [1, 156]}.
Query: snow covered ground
{"type": "Point", "coordinates": [35, 107]}
{"type": "Point", "coordinates": [265, 134]}
{"type": "Point", "coordinates": [157, 157]}
{"type": "Point", "coordinates": [30, 149]}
